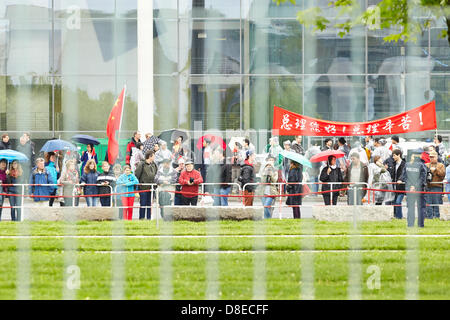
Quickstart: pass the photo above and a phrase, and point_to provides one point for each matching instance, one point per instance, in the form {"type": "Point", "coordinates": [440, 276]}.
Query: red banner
{"type": "Point", "coordinates": [287, 123]}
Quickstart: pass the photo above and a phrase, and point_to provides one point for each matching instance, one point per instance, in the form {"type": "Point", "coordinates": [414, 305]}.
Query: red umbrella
{"type": "Point", "coordinates": [323, 156]}
{"type": "Point", "coordinates": [214, 140]}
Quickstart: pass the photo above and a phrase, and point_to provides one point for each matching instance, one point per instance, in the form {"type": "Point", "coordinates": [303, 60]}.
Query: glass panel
{"type": "Point", "coordinates": [385, 57]}
{"type": "Point", "coordinates": [210, 8]}
{"type": "Point", "coordinates": [127, 8]}
{"type": "Point", "coordinates": [440, 49]}
{"type": "Point", "coordinates": [25, 9]}
{"type": "Point", "coordinates": [215, 46]}
{"type": "Point", "coordinates": [83, 103]}
{"type": "Point", "coordinates": [85, 9]}
{"type": "Point", "coordinates": [264, 93]}
{"type": "Point", "coordinates": [257, 9]}
{"type": "Point", "coordinates": [385, 96]}
{"type": "Point", "coordinates": [440, 91]}
{"type": "Point", "coordinates": [166, 108]}
{"type": "Point", "coordinates": [165, 44]}
{"type": "Point", "coordinates": [126, 46]}
{"type": "Point", "coordinates": [327, 52]}
{"type": "Point", "coordinates": [25, 103]}
{"type": "Point", "coordinates": [215, 102]}
{"type": "Point", "coordinates": [275, 47]}
{"type": "Point", "coordinates": [93, 47]}
{"type": "Point", "coordinates": [25, 47]}
{"type": "Point", "coordinates": [164, 9]}
{"type": "Point", "coordinates": [335, 98]}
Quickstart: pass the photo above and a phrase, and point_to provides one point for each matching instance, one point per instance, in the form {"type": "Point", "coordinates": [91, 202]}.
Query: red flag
{"type": "Point", "coordinates": [114, 122]}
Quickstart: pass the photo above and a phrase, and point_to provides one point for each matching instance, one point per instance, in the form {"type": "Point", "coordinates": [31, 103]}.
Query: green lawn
{"type": "Point", "coordinates": [184, 268]}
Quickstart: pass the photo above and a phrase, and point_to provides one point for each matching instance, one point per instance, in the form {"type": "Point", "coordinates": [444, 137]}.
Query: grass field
{"type": "Point", "coordinates": [221, 260]}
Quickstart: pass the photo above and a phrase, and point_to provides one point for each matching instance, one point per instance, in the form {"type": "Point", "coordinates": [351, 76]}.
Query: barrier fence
{"type": "Point", "coordinates": [386, 189]}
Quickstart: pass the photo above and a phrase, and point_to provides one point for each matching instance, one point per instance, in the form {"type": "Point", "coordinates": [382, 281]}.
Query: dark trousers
{"type": "Point", "coordinates": [15, 212]}
{"type": "Point", "coordinates": [145, 201]}
{"type": "Point", "coordinates": [296, 212]}
{"type": "Point", "coordinates": [178, 199]}
{"type": "Point", "coordinates": [50, 202]}
{"type": "Point", "coordinates": [411, 200]}
{"type": "Point", "coordinates": [351, 196]}
{"type": "Point", "coordinates": [105, 201]}
{"type": "Point", "coordinates": [190, 201]}
{"type": "Point", "coordinates": [330, 196]}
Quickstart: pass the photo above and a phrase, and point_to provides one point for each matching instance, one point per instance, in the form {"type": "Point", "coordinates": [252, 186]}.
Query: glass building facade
{"type": "Point", "coordinates": [224, 63]}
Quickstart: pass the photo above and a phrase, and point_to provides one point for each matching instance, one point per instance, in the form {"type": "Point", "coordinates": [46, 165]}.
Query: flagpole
{"type": "Point", "coordinates": [121, 115]}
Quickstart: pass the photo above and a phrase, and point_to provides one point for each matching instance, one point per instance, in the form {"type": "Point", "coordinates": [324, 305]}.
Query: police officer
{"type": "Point", "coordinates": [415, 180]}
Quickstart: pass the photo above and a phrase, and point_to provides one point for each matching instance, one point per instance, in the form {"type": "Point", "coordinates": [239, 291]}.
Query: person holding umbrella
{"type": "Point", "coordinates": [88, 155]}
{"type": "Point", "coordinates": [331, 173]}
{"type": "Point", "coordinates": [3, 180]}
{"type": "Point", "coordinates": [15, 176]}
{"type": "Point", "coordinates": [26, 146]}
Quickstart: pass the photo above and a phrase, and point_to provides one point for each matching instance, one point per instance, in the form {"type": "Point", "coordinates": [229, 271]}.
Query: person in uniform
{"type": "Point", "coordinates": [415, 180]}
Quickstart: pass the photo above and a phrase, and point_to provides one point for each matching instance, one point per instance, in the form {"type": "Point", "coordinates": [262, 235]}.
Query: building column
{"type": "Point", "coordinates": [145, 66]}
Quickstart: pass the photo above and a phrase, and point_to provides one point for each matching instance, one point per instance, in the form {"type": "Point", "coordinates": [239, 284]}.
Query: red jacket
{"type": "Point", "coordinates": [130, 146]}
{"type": "Point", "coordinates": [185, 176]}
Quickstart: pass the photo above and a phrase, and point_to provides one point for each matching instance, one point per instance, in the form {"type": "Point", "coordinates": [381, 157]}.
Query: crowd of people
{"type": "Point", "coordinates": [178, 173]}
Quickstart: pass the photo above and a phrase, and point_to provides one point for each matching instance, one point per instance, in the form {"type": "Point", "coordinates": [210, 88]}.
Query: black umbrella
{"type": "Point", "coordinates": [179, 133]}
{"type": "Point", "coordinates": [85, 139]}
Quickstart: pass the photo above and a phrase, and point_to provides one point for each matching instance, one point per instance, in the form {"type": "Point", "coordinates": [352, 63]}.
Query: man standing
{"type": "Point", "coordinates": [220, 173]}
{"type": "Point", "coordinates": [439, 146]}
{"type": "Point", "coordinates": [395, 140]}
{"type": "Point", "coordinates": [146, 172]}
{"type": "Point", "coordinates": [297, 145]}
{"type": "Point", "coordinates": [26, 146]}
{"type": "Point", "coordinates": [415, 179]}
{"type": "Point", "coordinates": [356, 173]}
{"type": "Point", "coordinates": [190, 179]}
{"type": "Point", "coordinates": [5, 143]}
{"type": "Point", "coordinates": [435, 185]}
{"type": "Point", "coordinates": [396, 168]}
{"type": "Point", "coordinates": [39, 179]}
{"type": "Point", "coordinates": [178, 200]}
{"type": "Point", "coordinates": [380, 149]}
{"type": "Point", "coordinates": [328, 144]}
{"type": "Point", "coordinates": [132, 144]}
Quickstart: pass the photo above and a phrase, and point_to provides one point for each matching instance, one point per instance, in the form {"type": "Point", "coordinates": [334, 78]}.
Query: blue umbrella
{"type": "Point", "coordinates": [12, 155]}
{"type": "Point", "coordinates": [296, 157]}
{"type": "Point", "coordinates": [85, 139]}
{"type": "Point", "coordinates": [58, 145]}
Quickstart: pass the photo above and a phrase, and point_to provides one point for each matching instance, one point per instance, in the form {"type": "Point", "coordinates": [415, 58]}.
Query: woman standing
{"type": "Point", "coordinates": [295, 177]}
{"type": "Point", "coordinates": [178, 151]}
{"type": "Point", "coordinates": [331, 173]}
{"type": "Point", "coordinates": [269, 175]}
{"type": "Point", "coordinates": [89, 177]}
{"type": "Point", "coordinates": [69, 178]}
{"type": "Point", "coordinates": [52, 166]}
{"type": "Point", "coordinates": [3, 179]}
{"type": "Point", "coordinates": [127, 181]}
{"type": "Point", "coordinates": [15, 176]}
{"type": "Point", "coordinates": [88, 155]}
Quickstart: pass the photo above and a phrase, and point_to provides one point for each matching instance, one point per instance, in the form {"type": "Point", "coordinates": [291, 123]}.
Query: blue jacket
{"type": "Point", "coordinates": [127, 184]}
{"type": "Point", "coordinates": [90, 178]}
{"type": "Point", "coordinates": [52, 170]}
{"type": "Point", "coordinates": [41, 178]}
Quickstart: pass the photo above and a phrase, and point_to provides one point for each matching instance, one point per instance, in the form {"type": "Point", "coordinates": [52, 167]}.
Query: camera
{"type": "Point", "coordinates": [191, 180]}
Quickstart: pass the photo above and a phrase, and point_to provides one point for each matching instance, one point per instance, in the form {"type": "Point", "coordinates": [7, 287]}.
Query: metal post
{"type": "Point", "coordinates": [279, 211]}
{"type": "Point", "coordinates": [22, 203]}
{"type": "Point", "coordinates": [157, 209]}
